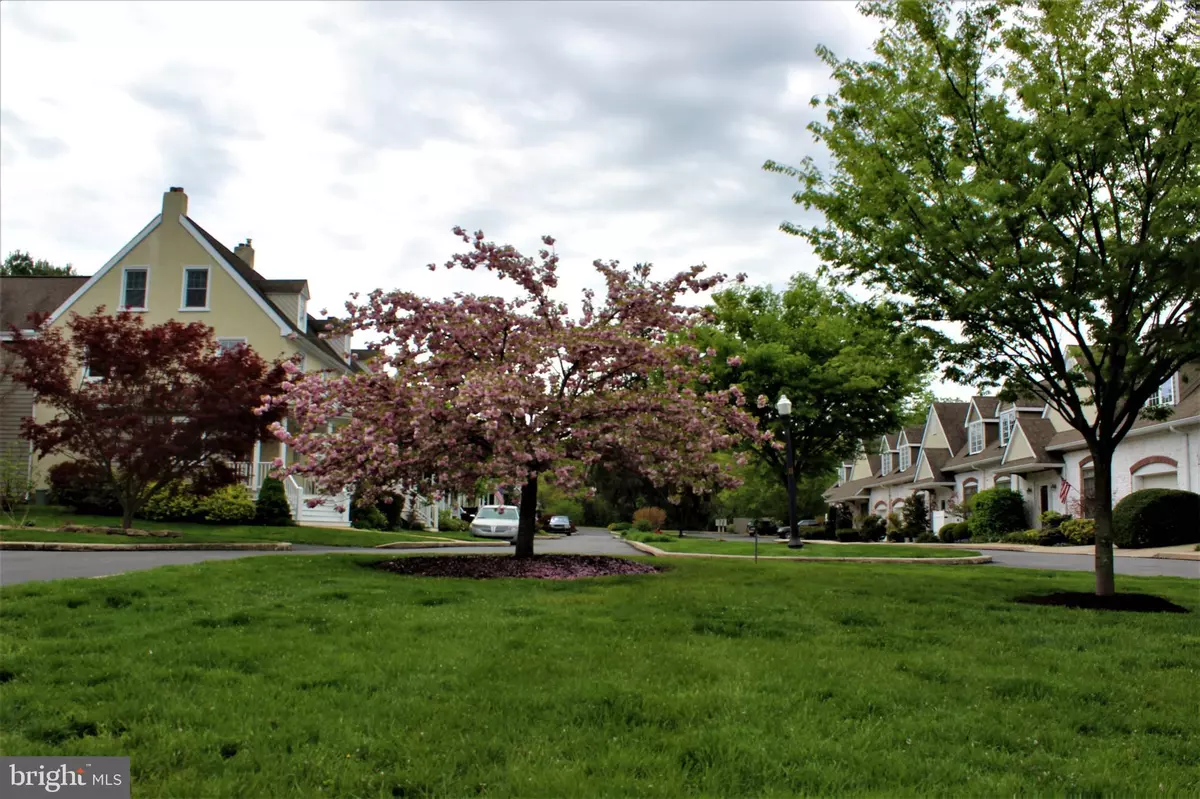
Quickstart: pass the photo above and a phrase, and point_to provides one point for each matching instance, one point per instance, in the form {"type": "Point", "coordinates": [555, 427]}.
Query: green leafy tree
{"type": "Point", "coordinates": [1029, 172]}
{"type": "Point", "coordinates": [20, 264]}
{"type": "Point", "coordinates": [849, 368]}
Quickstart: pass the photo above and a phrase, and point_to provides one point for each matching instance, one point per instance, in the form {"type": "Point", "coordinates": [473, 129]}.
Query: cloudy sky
{"type": "Point", "coordinates": [347, 139]}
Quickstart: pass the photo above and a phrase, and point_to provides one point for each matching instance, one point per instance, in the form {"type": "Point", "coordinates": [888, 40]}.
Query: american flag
{"type": "Point", "coordinates": [1063, 491]}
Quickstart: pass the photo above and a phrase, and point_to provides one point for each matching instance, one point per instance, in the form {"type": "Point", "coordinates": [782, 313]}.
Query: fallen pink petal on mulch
{"type": "Point", "coordinates": [539, 567]}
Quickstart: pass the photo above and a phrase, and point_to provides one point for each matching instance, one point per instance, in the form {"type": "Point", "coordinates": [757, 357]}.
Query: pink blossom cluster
{"type": "Point", "coordinates": [476, 386]}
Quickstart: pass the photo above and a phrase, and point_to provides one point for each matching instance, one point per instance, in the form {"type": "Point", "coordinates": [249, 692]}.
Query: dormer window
{"type": "Point", "coordinates": [1165, 394]}
{"type": "Point", "coordinates": [195, 289]}
{"type": "Point", "coordinates": [905, 457]}
{"type": "Point", "coordinates": [886, 463]}
{"type": "Point", "coordinates": [975, 437]}
{"type": "Point", "coordinates": [134, 285]}
{"type": "Point", "coordinates": [1008, 421]}
{"type": "Point", "coordinates": [846, 472]}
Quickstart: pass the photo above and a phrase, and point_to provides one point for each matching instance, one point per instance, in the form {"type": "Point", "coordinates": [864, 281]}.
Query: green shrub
{"type": "Point", "coordinates": [272, 507]}
{"type": "Point", "coordinates": [953, 532]}
{"type": "Point", "coordinates": [656, 517]}
{"type": "Point", "coordinates": [643, 526]}
{"type": "Point", "coordinates": [1052, 518]}
{"type": "Point", "coordinates": [566, 507]}
{"type": "Point", "coordinates": [648, 538]}
{"type": "Point", "coordinates": [175, 503]}
{"type": "Point", "coordinates": [83, 489]}
{"type": "Point", "coordinates": [994, 513]}
{"type": "Point", "coordinates": [229, 505]}
{"type": "Point", "coordinates": [447, 522]}
{"type": "Point", "coordinates": [926, 538]}
{"type": "Point", "coordinates": [871, 529]}
{"type": "Point", "coordinates": [849, 536]}
{"type": "Point", "coordinates": [1157, 517]}
{"type": "Point", "coordinates": [369, 517]}
{"type": "Point", "coordinates": [619, 527]}
{"type": "Point", "coordinates": [896, 536]}
{"type": "Point", "coordinates": [893, 521]}
{"type": "Point", "coordinates": [1079, 532]}
{"type": "Point", "coordinates": [1022, 537]}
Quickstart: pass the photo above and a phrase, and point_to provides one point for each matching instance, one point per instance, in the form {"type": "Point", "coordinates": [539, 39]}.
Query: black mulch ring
{"type": "Point", "coordinates": [539, 567]}
{"type": "Point", "coordinates": [1136, 603]}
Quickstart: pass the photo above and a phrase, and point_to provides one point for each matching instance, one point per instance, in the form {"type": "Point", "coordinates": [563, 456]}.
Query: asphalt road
{"type": "Point", "coordinates": [20, 567]}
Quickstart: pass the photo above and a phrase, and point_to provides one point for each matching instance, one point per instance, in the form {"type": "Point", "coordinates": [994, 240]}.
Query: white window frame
{"type": "Point", "coordinates": [1008, 423]}
{"type": "Point", "coordinates": [183, 306]}
{"type": "Point", "coordinates": [88, 377]}
{"type": "Point", "coordinates": [1166, 394]}
{"type": "Point", "coordinates": [234, 339]}
{"type": "Point", "coordinates": [124, 286]}
{"type": "Point", "coordinates": [905, 457]}
{"type": "Point", "coordinates": [886, 463]}
{"type": "Point", "coordinates": [976, 439]}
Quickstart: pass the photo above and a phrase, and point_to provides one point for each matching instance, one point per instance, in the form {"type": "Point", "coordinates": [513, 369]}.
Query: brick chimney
{"type": "Point", "coordinates": [245, 252]}
{"type": "Point", "coordinates": [174, 203]}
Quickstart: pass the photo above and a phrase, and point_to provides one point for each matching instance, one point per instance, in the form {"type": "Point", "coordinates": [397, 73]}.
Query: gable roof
{"type": "Point", "coordinates": [986, 407]}
{"type": "Point", "coordinates": [950, 416]}
{"type": "Point", "coordinates": [260, 286]}
{"type": "Point", "coordinates": [1186, 407]}
{"type": "Point", "coordinates": [21, 296]}
{"type": "Point", "coordinates": [913, 434]}
{"type": "Point", "coordinates": [935, 460]}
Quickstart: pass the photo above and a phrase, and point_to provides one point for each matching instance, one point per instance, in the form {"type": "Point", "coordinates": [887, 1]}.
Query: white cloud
{"type": "Point", "coordinates": [347, 139]}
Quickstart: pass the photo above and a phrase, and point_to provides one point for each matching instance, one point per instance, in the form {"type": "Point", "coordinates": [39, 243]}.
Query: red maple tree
{"type": "Point", "coordinates": [143, 405]}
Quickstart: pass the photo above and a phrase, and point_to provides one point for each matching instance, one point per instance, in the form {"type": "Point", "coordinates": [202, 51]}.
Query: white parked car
{"type": "Point", "coordinates": [497, 521]}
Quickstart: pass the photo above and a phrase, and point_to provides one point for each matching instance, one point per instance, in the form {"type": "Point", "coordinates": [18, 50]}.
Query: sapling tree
{"type": "Point", "coordinates": [1027, 171]}
{"type": "Point", "coordinates": [480, 387]}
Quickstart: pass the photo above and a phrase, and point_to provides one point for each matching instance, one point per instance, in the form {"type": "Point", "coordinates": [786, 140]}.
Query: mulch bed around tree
{"type": "Point", "coordinates": [539, 567]}
{"type": "Point", "coordinates": [1136, 603]}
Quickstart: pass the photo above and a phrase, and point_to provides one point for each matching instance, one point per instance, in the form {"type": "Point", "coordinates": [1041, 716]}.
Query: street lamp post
{"type": "Point", "coordinates": [784, 406]}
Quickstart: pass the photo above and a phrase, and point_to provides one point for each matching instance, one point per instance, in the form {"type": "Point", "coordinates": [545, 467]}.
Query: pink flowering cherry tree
{"type": "Point", "coordinates": [481, 387]}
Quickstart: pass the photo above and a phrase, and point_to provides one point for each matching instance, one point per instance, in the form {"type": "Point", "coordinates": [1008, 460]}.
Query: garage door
{"type": "Point", "coordinates": [1167, 480]}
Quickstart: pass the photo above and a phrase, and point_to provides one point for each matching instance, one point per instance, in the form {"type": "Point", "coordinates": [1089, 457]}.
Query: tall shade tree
{"type": "Point", "coordinates": [21, 264]}
{"type": "Point", "coordinates": [473, 387]}
{"type": "Point", "coordinates": [851, 369]}
{"type": "Point", "coordinates": [143, 406]}
{"type": "Point", "coordinates": [1028, 171]}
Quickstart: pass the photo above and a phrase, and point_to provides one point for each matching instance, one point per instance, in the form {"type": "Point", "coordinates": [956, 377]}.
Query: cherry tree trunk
{"type": "Point", "coordinates": [528, 528]}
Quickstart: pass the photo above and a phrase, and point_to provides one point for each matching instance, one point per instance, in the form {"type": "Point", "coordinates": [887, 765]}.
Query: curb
{"type": "Point", "coordinates": [440, 544]}
{"type": "Point", "coordinates": [1177, 556]}
{"type": "Point", "coordinates": [58, 546]}
{"type": "Point", "coordinates": [965, 561]}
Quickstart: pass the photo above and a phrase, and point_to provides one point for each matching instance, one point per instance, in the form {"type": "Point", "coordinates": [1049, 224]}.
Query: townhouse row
{"type": "Point", "coordinates": [1026, 446]}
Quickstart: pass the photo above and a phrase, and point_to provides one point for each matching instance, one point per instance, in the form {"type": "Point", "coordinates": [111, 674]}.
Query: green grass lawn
{"type": "Point", "coordinates": [771, 549]}
{"type": "Point", "coordinates": [207, 533]}
{"type": "Point", "coordinates": [287, 675]}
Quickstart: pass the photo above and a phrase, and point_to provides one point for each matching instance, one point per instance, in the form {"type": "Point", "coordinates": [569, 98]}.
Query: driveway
{"type": "Point", "coordinates": [20, 567]}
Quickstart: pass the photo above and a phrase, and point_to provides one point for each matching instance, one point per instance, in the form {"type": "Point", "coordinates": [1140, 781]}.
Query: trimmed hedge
{"type": "Point", "coordinates": [995, 513]}
{"type": "Point", "coordinates": [1157, 517]}
{"type": "Point", "coordinates": [174, 503]}
{"type": "Point", "coordinates": [954, 532]}
{"type": "Point", "coordinates": [81, 488]}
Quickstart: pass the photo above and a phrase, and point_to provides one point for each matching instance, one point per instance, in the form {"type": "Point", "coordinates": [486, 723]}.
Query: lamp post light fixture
{"type": "Point", "coordinates": [784, 407]}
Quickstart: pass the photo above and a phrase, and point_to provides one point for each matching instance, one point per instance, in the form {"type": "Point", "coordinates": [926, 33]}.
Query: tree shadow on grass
{"type": "Point", "coordinates": [1134, 603]}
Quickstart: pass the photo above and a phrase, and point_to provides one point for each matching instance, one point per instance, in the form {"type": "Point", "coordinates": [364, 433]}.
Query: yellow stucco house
{"type": "Point", "coordinates": [175, 269]}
